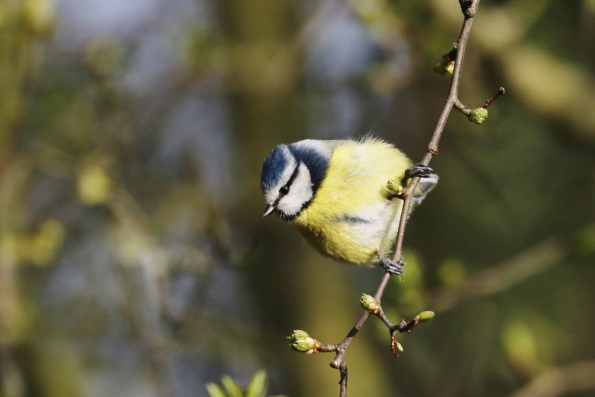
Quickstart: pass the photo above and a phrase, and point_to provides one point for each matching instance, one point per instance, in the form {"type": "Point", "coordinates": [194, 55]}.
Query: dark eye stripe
{"type": "Point", "coordinates": [289, 182]}
{"type": "Point", "coordinates": [317, 164]}
{"type": "Point", "coordinates": [293, 175]}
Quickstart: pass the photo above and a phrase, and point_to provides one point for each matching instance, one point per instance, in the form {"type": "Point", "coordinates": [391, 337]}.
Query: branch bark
{"type": "Point", "coordinates": [469, 9]}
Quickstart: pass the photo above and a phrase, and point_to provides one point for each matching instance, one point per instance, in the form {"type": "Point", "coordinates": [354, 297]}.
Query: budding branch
{"type": "Point", "coordinates": [469, 9]}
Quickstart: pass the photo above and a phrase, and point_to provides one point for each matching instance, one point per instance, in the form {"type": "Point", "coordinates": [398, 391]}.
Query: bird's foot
{"type": "Point", "coordinates": [390, 266]}
{"type": "Point", "coordinates": [419, 169]}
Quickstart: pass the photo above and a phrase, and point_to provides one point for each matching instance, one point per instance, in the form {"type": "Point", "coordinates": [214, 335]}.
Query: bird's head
{"type": "Point", "coordinates": [291, 175]}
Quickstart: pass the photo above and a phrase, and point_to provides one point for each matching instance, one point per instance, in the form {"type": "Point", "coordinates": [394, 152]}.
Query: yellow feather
{"type": "Point", "coordinates": [352, 214]}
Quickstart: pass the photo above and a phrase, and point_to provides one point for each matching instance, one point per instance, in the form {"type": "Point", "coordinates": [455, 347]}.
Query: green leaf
{"type": "Point", "coordinates": [232, 388]}
{"type": "Point", "coordinates": [214, 390]}
{"type": "Point", "coordinates": [258, 385]}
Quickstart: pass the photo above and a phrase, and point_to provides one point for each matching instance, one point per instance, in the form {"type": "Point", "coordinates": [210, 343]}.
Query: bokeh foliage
{"type": "Point", "coordinates": [133, 256]}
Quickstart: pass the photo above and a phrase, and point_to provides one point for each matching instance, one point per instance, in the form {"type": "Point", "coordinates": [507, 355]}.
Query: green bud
{"type": "Point", "coordinates": [399, 346]}
{"type": "Point", "coordinates": [445, 64]}
{"type": "Point", "coordinates": [478, 116]}
{"type": "Point", "coordinates": [426, 315]}
{"type": "Point", "coordinates": [302, 342]}
{"type": "Point", "coordinates": [369, 303]}
{"type": "Point", "coordinates": [393, 185]}
{"type": "Point", "coordinates": [441, 67]}
{"type": "Point", "coordinates": [450, 67]}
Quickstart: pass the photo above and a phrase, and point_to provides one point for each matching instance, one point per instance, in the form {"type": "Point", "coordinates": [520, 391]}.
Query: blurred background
{"type": "Point", "coordinates": [134, 260]}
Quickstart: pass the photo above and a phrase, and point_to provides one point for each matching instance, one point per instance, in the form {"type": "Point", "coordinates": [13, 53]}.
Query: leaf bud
{"type": "Point", "coordinates": [426, 315]}
{"type": "Point", "coordinates": [394, 186]}
{"type": "Point", "coordinates": [478, 116]}
{"type": "Point", "coordinates": [399, 346]}
{"type": "Point", "coordinates": [369, 303]}
{"type": "Point", "coordinates": [446, 63]}
{"type": "Point", "coordinates": [302, 342]}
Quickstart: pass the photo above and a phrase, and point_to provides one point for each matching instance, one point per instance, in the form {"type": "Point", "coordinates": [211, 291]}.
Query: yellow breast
{"type": "Point", "coordinates": [351, 215]}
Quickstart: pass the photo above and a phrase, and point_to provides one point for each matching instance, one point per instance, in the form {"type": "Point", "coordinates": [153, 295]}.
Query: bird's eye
{"type": "Point", "coordinates": [284, 190]}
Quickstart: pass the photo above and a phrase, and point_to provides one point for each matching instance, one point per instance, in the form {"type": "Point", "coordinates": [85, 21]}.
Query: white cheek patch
{"type": "Point", "coordinates": [272, 194]}
{"type": "Point", "coordinates": [300, 192]}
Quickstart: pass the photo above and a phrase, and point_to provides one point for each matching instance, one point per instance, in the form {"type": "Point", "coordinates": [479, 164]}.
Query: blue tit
{"type": "Point", "coordinates": [335, 193]}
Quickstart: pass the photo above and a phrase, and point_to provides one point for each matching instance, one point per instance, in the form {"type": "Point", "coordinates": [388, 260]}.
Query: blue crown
{"type": "Point", "coordinates": [273, 167]}
{"type": "Point", "coordinates": [276, 162]}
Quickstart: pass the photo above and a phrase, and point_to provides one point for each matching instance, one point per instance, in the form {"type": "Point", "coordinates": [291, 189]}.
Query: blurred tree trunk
{"type": "Point", "coordinates": [267, 107]}
{"type": "Point", "coordinates": [15, 43]}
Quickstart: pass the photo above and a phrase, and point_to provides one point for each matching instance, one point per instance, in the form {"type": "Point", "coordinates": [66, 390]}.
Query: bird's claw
{"type": "Point", "coordinates": [389, 265]}
{"type": "Point", "coordinates": [418, 169]}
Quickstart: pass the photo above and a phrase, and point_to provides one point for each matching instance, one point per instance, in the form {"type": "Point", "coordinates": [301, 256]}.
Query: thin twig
{"type": "Point", "coordinates": [576, 377]}
{"type": "Point", "coordinates": [501, 91]}
{"type": "Point", "coordinates": [469, 8]}
{"type": "Point", "coordinates": [533, 260]}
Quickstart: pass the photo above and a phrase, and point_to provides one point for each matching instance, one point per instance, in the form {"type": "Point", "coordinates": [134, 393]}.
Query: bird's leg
{"type": "Point", "coordinates": [389, 265]}
{"type": "Point", "coordinates": [419, 169]}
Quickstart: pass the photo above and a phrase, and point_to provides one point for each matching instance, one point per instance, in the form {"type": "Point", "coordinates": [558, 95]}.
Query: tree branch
{"type": "Point", "coordinates": [560, 381]}
{"type": "Point", "coordinates": [469, 8]}
{"type": "Point", "coordinates": [498, 278]}
{"type": "Point", "coordinates": [302, 341]}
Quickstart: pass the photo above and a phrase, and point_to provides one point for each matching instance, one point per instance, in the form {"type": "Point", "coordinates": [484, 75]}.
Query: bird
{"type": "Point", "coordinates": [335, 192]}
